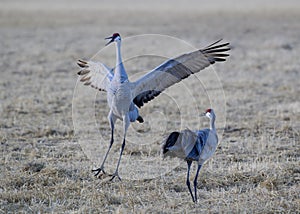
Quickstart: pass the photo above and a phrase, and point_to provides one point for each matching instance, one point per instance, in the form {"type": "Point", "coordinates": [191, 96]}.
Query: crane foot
{"type": "Point", "coordinates": [115, 175]}
{"type": "Point", "coordinates": [100, 169]}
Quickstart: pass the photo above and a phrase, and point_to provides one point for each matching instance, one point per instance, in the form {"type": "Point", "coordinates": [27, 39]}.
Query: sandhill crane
{"type": "Point", "coordinates": [192, 146]}
{"type": "Point", "coordinates": [125, 97]}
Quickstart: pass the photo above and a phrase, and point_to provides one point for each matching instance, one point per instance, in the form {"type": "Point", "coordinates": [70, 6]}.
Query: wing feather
{"type": "Point", "coordinates": [202, 136]}
{"type": "Point", "coordinates": [95, 74]}
{"type": "Point", "coordinates": [174, 70]}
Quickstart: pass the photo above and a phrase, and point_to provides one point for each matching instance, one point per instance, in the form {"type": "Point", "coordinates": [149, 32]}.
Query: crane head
{"type": "Point", "coordinates": [208, 113]}
{"type": "Point", "coordinates": [115, 37]}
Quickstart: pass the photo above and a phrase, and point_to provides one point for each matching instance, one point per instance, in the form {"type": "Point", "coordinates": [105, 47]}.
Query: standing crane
{"type": "Point", "coordinates": [125, 97]}
{"type": "Point", "coordinates": [192, 146]}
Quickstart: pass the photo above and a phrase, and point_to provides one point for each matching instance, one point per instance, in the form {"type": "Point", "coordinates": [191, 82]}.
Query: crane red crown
{"type": "Point", "coordinates": [208, 110]}
{"type": "Point", "coordinates": [115, 35]}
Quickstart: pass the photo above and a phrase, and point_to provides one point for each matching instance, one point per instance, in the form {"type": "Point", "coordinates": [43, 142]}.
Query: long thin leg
{"type": "Point", "coordinates": [189, 163]}
{"type": "Point", "coordinates": [112, 119]}
{"type": "Point", "coordinates": [126, 123]}
{"type": "Point", "coordinates": [195, 181]}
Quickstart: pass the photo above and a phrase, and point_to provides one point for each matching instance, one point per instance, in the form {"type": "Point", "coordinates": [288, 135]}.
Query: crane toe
{"type": "Point", "coordinates": [99, 170]}
{"type": "Point", "coordinates": [115, 175]}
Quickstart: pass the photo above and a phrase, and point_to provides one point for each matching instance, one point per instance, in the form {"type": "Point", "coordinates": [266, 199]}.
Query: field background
{"type": "Point", "coordinates": [44, 164]}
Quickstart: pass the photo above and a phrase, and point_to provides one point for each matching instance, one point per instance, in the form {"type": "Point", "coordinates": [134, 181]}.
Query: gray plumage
{"type": "Point", "coordinates": [192, 146]}
{"type": "Point", "coordinates": [125, 97]}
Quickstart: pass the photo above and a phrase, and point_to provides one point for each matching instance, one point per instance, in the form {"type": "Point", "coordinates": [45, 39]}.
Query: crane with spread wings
{"type": "Point", "coordinates": [125, 98]}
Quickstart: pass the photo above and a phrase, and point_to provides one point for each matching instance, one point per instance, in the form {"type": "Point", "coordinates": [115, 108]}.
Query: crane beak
{"type": "Point", "coordinates": [111, 40]}
{"type": "Point", "coordinates": [203, 114]}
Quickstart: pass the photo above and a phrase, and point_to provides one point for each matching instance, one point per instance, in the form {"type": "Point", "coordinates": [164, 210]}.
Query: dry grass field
{"type": "Point", "coordinates": [53, 130]}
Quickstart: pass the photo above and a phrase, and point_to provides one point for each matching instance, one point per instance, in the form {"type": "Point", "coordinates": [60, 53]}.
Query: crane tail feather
{"type": "Point", "coordinates": [171, 140]}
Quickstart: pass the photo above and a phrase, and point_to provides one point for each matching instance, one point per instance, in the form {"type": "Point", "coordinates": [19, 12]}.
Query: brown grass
{"type": "Point", "coordinates": [43, 167]}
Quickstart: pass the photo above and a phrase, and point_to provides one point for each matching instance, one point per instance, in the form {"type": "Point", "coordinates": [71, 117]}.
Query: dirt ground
{"type": "Point", "coordinates": [53, 130]}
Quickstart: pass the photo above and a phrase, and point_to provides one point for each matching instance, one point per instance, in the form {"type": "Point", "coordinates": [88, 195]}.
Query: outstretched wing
{"type": "Point", "coordinates": [174, 70]}
{"type": "Point", "coordinates": [95, 74]}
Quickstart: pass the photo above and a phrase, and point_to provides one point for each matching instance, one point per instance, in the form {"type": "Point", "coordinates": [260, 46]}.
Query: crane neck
{"type": "Point", "coordinates": [118, 53]}
{"type": "Point", "coordinates": [212, 123]}
{"type": "Point", "coordinates": [120, 73]}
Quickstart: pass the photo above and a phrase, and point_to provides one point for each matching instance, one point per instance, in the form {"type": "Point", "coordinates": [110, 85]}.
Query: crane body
{"type": "Point", "coordinates": [193, 146]}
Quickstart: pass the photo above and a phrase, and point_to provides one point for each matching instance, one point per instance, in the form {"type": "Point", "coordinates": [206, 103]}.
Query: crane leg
{"type": "Point", "coordinates": [189, 163]}
{"type": "Point", "coordinates": [195, 181]}
{"type": "Point", "coordinates": [112, 119]}
{"type": "Point", "coordinates": [126, 123]}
